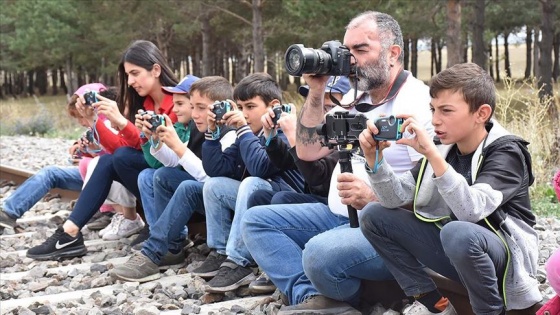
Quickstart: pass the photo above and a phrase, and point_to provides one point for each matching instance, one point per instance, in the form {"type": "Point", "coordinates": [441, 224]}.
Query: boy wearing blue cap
{"type": "Point", "coordinates": [174, 192]}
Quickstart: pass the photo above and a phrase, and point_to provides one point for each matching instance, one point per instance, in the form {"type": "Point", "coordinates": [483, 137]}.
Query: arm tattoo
{"type": "Point", "coordinates": [306, 135]}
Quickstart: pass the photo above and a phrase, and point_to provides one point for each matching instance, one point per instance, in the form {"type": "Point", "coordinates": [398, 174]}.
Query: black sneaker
{"type": "Point", "coordinates": [6, 220]}
{"type": "Point", "coordinates": [210, 266]}
{"type": "Point", "coordinates": [143, 235]}
{"type": "Point", "coordinates": [59, 245]}
{"type": "Point", "coordinates": [230, 277]}
{"type": "Point", "coordinates": [262, 285]}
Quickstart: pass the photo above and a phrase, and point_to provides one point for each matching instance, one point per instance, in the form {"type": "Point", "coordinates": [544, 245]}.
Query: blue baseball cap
{"type": "Point", "coordinates": [336, 85]}
{"type": "Point", "coordinates": [183, 87]}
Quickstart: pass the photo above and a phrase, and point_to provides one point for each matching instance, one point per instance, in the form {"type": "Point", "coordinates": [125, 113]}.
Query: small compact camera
{"type": "Point", "coordinates": [89, 136]}
{"type": "Point", "coordinates": [156, 121]}
{"type": "Point", "coordinates": [332, 58]}
{"type": "Point", "coordinates": [342, 128]}
{"type": "Point", "coordinates": [278, 110]}
{"type": "Point", "coordinates": [219, 108]}
{"type": "Point", "coordinates": [90, 98]}
{"type": "Point", "coordinates": [389, 128]}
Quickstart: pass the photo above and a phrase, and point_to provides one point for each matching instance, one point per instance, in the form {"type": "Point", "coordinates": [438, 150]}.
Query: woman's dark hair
{"type": "Point", "coordinates": [144, 54]}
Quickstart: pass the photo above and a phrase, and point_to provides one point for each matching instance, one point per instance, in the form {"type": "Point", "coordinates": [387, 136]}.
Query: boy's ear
{"type": "Point", "coordinates": [484, 112]}
{"type": "Point", "coordinates": [274, 102]}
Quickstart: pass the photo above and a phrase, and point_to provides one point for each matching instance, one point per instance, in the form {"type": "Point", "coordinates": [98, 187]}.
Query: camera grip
{"type": "Point", "coordinates": [346, 167]}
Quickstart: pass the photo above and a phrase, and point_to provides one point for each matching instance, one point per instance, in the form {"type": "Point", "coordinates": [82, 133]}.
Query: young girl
{"type": "Point", "coordinates": [141, 74]}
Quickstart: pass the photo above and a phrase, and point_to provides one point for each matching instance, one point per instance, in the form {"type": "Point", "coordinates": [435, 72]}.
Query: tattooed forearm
{"type": "Point", "coordinates": [307, 135]}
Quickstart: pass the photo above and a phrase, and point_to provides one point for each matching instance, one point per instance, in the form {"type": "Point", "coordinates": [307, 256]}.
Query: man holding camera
{"type": "Point", "coordinates": [325, 277]}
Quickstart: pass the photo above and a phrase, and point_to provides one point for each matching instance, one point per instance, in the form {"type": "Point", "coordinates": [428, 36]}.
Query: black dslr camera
{"type": "Point", "coordinates": [219, 108]}
{"type": "Point", "coordinates": [342, 128]}
{"type": "Point", "coordinates": [278, 110]}
{"type": "Point", "coordinates": [90, 98]}
{"type": "Point", "coordinates": [331, 59]}
{"type": "Point", "coordinates": [389, 128]}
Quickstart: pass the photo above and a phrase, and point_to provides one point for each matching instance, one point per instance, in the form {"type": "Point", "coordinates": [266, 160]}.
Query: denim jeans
{"type": "Point", "coordinates": [461, 251]}
{"type": "Point", "coordinates": [168, 232]}
{"type": "Point", "coordinates": [38, 185]}
{"type": "Point", "coordinates": [268, 197]}
{"type": "Point", "coordinates": [224, 197]}
{"type": "Point", "coordinates": [123, 166]}
{"type": "Point", "coordinates": [307, 250]}
{"type": "Point", "coordinates": [157, 186]}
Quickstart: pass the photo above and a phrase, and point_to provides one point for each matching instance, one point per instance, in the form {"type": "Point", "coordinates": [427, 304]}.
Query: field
{"type": "Point", "coordinates": [518, 109]}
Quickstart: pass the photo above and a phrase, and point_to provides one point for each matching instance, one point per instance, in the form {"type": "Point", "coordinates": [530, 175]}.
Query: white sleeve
{"type": "Point", "coordinates": [228, 139]}
{"type": "Point", "coordinates": [193, 165]}
{"type": "Point", "coordinates": [165, 155]}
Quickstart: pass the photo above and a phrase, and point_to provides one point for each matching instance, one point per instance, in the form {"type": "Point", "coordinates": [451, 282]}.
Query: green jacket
{"type": "Point", "coordinates": [184, 133]}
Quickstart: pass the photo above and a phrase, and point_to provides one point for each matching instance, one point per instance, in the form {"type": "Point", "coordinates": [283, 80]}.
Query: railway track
{"type": "Point", "coordinates": [46, 288]}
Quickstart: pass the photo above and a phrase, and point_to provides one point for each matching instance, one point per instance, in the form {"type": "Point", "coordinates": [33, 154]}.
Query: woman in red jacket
{"type": "Point", "coordinates": [142, 72]}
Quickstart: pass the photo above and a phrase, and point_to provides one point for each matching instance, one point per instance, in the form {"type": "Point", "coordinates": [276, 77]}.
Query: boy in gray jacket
{"type": "Point", "coordinates": [471, 218]}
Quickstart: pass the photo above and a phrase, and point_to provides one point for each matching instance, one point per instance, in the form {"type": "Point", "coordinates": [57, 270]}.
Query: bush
{"type": "Point", "coordinates": [38, 125]}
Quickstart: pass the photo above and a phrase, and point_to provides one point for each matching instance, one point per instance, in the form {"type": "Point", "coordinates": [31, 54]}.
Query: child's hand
{"type": "Point", "coordinates": [288, 124]}
{"type": "Point", "coordinates": [211, 118]}
{"type": "Point", "coordinates": [267, 123]}
{"type": "Point", "coordinates": [168, 135]}
{"type": "Point", "coordinates": [234, 117]}
{"type": "Point", "coordinates": [369, 145]}
{"type": "Point", "coordinates": [419, 138]}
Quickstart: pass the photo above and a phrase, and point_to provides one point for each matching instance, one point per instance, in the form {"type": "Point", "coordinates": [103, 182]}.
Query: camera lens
{"type": "Point", "coordinates": [300, 60]}
{"type": "Point", "coordinates": [391, 120]}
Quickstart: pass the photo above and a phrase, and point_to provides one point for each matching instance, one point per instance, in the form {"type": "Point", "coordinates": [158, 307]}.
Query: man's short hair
{"type": "Point", "coordinates": [215, 88]}
{"type": "Point", "coordinates": [258, 84]}
{"type": "Point", "coordinates": [389, 29]}
{"type": "Point", "coordinates": [469, 79]}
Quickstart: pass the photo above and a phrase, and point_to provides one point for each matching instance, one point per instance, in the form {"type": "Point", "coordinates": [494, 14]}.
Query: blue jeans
{"type": "Point", "coordinates": [307, 250]}
{"type": "Point", "coordinates": [461, 251]}
{"type": "Point", "coordinates": [123, 166]}
{"type": "Point", "coordinates": [268, 197]}
{"type": "Point", "coordinates": [168, 232]}
{"type": "Point", "coordinates": [38, 185]}
{"type": "Point", "coordinates": [224, 197]}
{"type": "Point", "coordinates": [157, 186]}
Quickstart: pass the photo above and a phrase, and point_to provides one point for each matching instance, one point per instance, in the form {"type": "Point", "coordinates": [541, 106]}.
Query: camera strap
{"type": "Point", "coordinates": [366, 107]}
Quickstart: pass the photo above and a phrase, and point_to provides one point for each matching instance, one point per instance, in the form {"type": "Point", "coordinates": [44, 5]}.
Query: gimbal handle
{"type": "Point", "coordinates": [345, 160]}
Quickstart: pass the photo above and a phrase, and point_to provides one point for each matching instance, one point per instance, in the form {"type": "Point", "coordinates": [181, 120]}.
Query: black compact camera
{"type": "Point", "coordinates": [89, 136]}
{"type": "Point", "coordinates": [90, 98]}
{"type": "Point", "coordinates": [342, 128]}
{"type": "Point", "coordinates": [278, 110]}
{"type": "Point", "coordinates": [389, 128]}
{"type": "Point", "coordinates": [156, 121]}
{"type": "Point", "coordinates": [219, 108]}
{"type": "Point", "coordinates": [331, 59]}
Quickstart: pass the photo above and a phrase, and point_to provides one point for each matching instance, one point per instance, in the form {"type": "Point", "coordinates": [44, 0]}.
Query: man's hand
{"type": "Point", "coordinates": [354, 191]}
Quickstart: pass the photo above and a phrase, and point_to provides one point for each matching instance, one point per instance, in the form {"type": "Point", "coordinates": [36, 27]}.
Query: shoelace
{"type": "Point", "coordinates": [116, 225]}
{"type": "Point", "coordinates": [136, 260]}
{"type": "Point", "coordinates": [54, 238]}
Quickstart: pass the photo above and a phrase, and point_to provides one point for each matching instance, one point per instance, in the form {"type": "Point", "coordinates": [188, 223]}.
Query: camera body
{"type": "Point", "coordinates": [342, 128]}
{"type": "Point", "coordinates": [389, 128]}
{"type": "Point", "coordinates": [89, 136]}
{"type": "Point", "coordinates": [90, 98]}
{"type": "Point", "coordinates": [278, 110]}
{"type": "Point", "coordinates": [156, 121]}
{"type": "Point", "coordinates": [332, 58]}
{"type": "Point", "coordinates": [219, 108]}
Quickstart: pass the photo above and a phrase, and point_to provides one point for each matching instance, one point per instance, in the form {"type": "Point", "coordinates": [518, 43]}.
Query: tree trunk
{"type": "Point", "coordinates": [258, 36]}
{"type": "Point", "coordinates": [54, 76]}
{"type": "Point", "coordinates": [453, 32]}
{"type": "Point", "coordinates": [406, 50]}
{"type": "Point", "coordinates": [72, 81]}
{"type": "Point", "coordinates": [205, 30]}
{"type": "Point", "coordinates": [507, 65]}
{"type": "Point", "coordinates": [465, 47]}
{"type": "Point", "coordinates": [536, 53]}
{"type": "Point", "coordinates": [41, 80]}
{"type": "Point", "coordinates": [528, 53]}
{"type": "Point", "coordinates": [62, 81]}
{"type": "Point", "coordinates": [497, 59]}
{"type": "Point", "coordinates": [271, 66]}
{"type": "Point", "coordinates": [545, 60]}
{"type": "Point", "coordinates": [478, 46]}
{"type": "Point", "coordinates": [556, 66]}
{"type": "Point", "coordinates": [414, 56]}
{"type": "Point", "coordinates": [30, 85]}
{"type": "Point", "coordinates": [490, 57]}
{"type": "Point", "coordinates": [439, 59]}
{"type": "Point", "coordinates": [433, 60]}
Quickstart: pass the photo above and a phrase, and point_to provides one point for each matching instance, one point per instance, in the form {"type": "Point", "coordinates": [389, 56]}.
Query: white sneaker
{"type": "Point", "coordinates": [418, 308]}
{"type": "Point", "coordinates": [124, 228]}
{"type": "Point", "coordinates": [117, 217]}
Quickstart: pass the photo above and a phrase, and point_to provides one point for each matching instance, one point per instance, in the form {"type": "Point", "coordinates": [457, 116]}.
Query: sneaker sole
{"type": "Point", "coordinates": [245, 281]}
{"type": "Point", "coordinates": [145, 279]}
{"type": "Point", "coordinates": [205, 274]}
{"type": "Point", "coordinates": [6, 225]}
{"type": "Point", "coordinates": [118, 237]}
{"type": "Point", "coordinates": [261, 289]}
{"type": "Point", "coordinates": [175, 266]}
{"type": "Point", "coordinates": [331, 311]}
{"type": "Point", "coordinates": [75, 252]}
